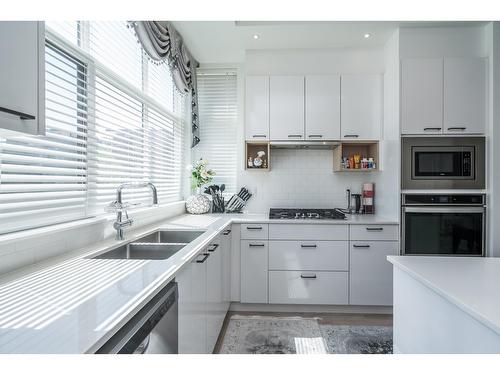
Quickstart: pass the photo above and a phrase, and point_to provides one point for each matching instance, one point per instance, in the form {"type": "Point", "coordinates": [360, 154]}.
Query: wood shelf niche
{"type": "Point", "coordinates": [251, 150]}
{"type": "Point", "coordinates": [366, 149]}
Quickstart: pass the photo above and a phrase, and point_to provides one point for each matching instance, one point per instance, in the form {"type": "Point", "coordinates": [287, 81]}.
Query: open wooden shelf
{"type": "Point", "coordinates": [251, 150]}
{"type": "Point", "coordinates": [366, 149]}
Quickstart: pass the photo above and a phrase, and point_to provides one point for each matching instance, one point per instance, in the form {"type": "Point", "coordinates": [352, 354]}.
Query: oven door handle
{"type": "Point", "coordinates": [444, 210]}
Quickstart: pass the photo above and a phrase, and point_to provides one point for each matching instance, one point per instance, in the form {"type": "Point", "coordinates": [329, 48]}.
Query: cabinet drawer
{"type": "Point", "coordinates": [309, 255]}
{"type": "Point", "coordinates": [315, 288]}
{"type": "Point", "coordinates": [374, 232]}
{"type": "Point", "coordinates": [254, 231]}
{"type": "Point", "coordinates": [311, 232]}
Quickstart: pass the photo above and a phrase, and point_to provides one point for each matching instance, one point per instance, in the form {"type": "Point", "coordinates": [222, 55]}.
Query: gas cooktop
{"type": "Point", "coordinates": [300, 213]}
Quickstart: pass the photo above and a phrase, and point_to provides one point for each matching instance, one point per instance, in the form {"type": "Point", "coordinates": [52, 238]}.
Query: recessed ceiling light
{"type": "Point", "coordinates": [256, 36]}
{"type": "Point", "coordinates": [367, 35]}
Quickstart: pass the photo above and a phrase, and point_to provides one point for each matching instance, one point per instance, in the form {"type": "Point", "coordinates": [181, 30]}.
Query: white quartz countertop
{"type": "Point", "coordinates": [472, 284]}
{"type": "Point", "coordinates": [74, 304]}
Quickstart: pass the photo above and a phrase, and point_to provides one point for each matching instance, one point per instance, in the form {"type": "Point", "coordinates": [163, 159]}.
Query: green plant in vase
{"type": "Point", "coordinates": [200, 175]}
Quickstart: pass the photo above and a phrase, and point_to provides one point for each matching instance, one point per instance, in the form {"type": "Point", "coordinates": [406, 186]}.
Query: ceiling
{"type": "Point", "coordinates": [226, 41]}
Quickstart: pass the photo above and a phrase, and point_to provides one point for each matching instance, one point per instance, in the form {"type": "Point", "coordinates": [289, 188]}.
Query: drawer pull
{"type": "Point", "coordinates": [206, 255]}
{"type": "Point", "coordinates": [462, 128]}
{"type": "Point", "coordinates": [21, 115]}
{"type": "Point", "coordinates": [294, 136]}
{"type": "Point", "coordinates": [351, 135]}
{"type": "Point", "coordinates": [313, 276]}
{"type": "Point", "coordinates": [375, 229]}
{"type": "Point", "coordinates": [308, 246]}
{"type": "Point", "coordinates": [259, 136]}
{"type": "Point", "coordinates": [361, 246]}
{"type": "Point", "coordinates": [254, 228]}
{"type": "Point", "coordinates": [431, 129]}
{"type": "Point", "coordinates": [315, 136]}
{"type": "Point", "coordinates": [226, 232]}
{"type": "Point", "coordinates": [214, 247]}
{"type": "Point", "coordinates": [256, 245]}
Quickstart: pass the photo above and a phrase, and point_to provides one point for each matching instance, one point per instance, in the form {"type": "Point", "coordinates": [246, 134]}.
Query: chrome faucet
{"type": "Point", "coordinates": [119, 207]}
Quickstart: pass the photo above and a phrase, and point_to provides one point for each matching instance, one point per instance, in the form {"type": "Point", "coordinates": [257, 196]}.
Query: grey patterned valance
{"type": "Point", "coordinates": [162, 42]}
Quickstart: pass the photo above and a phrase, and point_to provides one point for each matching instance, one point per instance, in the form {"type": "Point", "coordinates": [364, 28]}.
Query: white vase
{"type": "Point", "coordinates": [198, 204]}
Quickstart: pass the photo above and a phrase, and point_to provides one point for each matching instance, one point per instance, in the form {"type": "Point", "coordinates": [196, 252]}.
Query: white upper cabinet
{"type": "Point", "coordinates": [464, 95]}
{"type": "Point", "coordinates": [322, 107]}
{"type": "Point", "coordinates": [361, 106]}
{"type": "Point", "coordinates": [422, 96]}
{"type": "Point", "coordinates": [286, 119]}
{"type": "Point", "coordinates": [257, 108]}
{"type": "Point", "coordinates": [22, 77]}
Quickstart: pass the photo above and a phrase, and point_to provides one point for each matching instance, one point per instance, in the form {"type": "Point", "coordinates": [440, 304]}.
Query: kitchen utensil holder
{"type": "Point", "coordinates": [239, 204]}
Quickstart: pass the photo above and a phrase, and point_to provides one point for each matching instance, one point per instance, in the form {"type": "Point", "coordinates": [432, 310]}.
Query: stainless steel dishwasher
{"type": "Point", "coordinates": [153, 330]}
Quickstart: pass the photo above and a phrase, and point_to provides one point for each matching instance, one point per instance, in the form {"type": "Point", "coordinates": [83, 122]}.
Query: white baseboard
{"type": "Point", "coordinates": [340, 309]}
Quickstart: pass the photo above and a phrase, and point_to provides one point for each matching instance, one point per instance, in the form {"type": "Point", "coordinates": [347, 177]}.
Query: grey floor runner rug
{"type": "Point", "coordinates": [296, 335]}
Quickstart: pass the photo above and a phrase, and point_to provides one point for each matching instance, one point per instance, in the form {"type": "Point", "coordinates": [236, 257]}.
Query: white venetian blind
{"type": "Point", "coordinates": [217, 100]}
{"type": "Point", "coordinates": [43, 179]}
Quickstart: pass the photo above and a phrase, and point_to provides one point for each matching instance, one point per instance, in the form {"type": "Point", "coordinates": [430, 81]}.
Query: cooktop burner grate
{"type": "Point", "coordinates": [300, 213]}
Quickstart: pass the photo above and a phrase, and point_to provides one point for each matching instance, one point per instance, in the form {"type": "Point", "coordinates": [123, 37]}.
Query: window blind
{"type": "Point", "coordinates": [43, 179]}
{"type": "Point", "coordinates": [217, 101]}
{"type": "Point", "coordinates": [112, 117]}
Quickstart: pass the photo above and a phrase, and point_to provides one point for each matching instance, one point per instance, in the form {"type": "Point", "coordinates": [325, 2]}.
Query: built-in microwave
{"type": "Point", "coordinates": [443, 163]}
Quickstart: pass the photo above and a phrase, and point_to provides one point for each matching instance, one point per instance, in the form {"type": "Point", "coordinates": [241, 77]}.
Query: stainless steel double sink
{"type": "Point", "coordinates": [154, 246]}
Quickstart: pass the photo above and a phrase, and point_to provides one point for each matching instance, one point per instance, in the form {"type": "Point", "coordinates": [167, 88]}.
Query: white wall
{"type": "Point", "coordinates": [442, 42]}
{"type": "Point", "coordinates": [493, 44]}
{"type": "Point", "coordinates": [305, 178]}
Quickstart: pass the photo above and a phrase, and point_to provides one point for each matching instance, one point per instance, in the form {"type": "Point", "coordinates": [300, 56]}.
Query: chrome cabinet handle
{"type": "Point", "coordinates": [294, 136]}
{"type": "Point", "coordinates": [351, 136]}
{"type": "Point", "coordinates": [21, 115]}
{"type": "Point", "coordinates": [308, 246]}
{"type": "Point", "coordinates": [462, 128]}
{"type": "Point", "coordinates": [256, 245]}
{"type": "Point", "coordinates": [215, 246]}
{"type": "Point", "coordinates": [375, 229]}
{"type": "Point", "coordinates": [313, 276]}
{"type": "Point", "coordinates": [361, 246]}
{"type": "Point", "coordinates": [254, 228]}
{"type": "Point", "coordinates": [315, 136]}
{"type": "Point", "coordinates": [259, 136]}
{"type": "Point", "coordinates": [226, 232]}
{"type": "Point", "coordinates": [429, 129]}
{"type": "Point", "coordinates": [206, 255]}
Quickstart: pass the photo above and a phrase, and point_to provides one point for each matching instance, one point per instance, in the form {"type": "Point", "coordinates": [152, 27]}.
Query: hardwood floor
{"type": "Point", "coordinates": [323, 318]}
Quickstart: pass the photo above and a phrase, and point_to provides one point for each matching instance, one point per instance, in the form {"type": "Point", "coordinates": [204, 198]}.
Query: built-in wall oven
{"type": "Point", "coordinates": [443, 224]}
{"type": "Point", "coordinates": [443, 163]}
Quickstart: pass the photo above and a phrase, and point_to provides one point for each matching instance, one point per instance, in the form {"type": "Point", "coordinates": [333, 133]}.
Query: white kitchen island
{"type": "Point", "coordinates": [446, 304]}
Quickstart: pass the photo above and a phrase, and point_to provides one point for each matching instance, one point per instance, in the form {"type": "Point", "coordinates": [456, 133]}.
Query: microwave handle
{"type": "Point", "coordinates": [444, 210]}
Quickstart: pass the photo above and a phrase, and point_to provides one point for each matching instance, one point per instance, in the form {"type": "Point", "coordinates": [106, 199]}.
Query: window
{"type": "Point", "coordinates": [217, 100]}
{"type": "Point", "coordinates": [111, 116]}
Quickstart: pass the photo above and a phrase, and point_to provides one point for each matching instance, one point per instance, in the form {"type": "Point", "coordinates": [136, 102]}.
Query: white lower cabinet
{"type": "Point", "coordinates": [254, 269]}
{"type": "Point", "coordinates": [304, 287]}
{"type": "Point", "coordinates": [215, 306]}
{"type": "Point", "coordinates": [370, 273]}
{"type": "Point", "coordinates": [192, 284]}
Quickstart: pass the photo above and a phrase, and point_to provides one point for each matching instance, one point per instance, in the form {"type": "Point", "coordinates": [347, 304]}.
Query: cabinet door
{"type": "Point", "coordinates": [464, 95]}
{"type": "Point", "coordinates": [226, 268]}
{"type": "Point", "coordinates": [22, 76]}
{"type": "Point", "coordinates": [215, 311]}
{"type": "Point", "coordinates": [286, 119]}
{"type": "Point", "coordinates": [254, 271]}
{"type": "Point", "coordinates": [322, 109]}
{"type": "Point", "coordinates": [257, 108]}
{"type": "Point", "coordinates": [421, 96]}
{"type": "Point", "coordinates": [361, 106]}
{"type": "Point", "coordinates": [370, 272]}
{"type": "Point", "coordinates": [192, 307]}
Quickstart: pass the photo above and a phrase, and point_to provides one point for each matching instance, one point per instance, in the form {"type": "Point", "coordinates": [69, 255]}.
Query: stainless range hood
{"type": "Point", "coordinates": [305, 145]}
